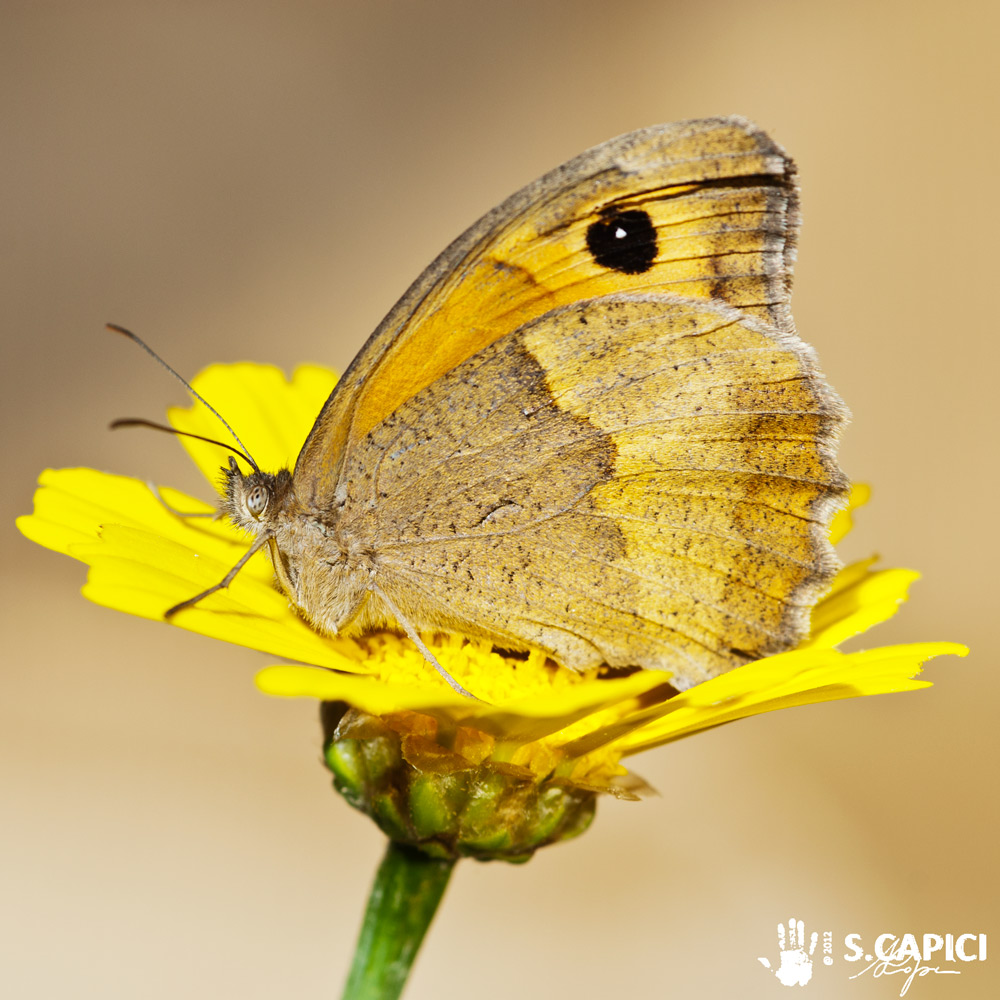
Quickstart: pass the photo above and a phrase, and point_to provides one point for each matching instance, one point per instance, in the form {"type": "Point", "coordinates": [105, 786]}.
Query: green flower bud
{"type": "Point", "coordinates": [443, 792]}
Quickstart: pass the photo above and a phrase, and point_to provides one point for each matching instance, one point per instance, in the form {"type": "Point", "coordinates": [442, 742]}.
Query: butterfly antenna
{"type": "Point", "coordinates": [153, 425]}
{"type": "Point", "coordinates": [187, 385]}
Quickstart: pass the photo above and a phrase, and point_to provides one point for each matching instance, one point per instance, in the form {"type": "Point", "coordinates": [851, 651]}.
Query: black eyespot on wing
{"type": "Point", "coordinates": [623, 241]}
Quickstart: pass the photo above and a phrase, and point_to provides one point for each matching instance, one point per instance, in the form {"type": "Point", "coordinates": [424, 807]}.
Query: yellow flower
{"type": "Point", "coordinates": [540, 727]}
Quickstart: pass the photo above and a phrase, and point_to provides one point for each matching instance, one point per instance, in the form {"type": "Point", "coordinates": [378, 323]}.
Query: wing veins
{"type": "Point", "coordinates": [782, 556]}
{"type": "Point", "coordinates": [561, 585]}
{"type": "Point", "coordinates": [628, 570]}
{"type": "Point", "coordinates": [555, 397]}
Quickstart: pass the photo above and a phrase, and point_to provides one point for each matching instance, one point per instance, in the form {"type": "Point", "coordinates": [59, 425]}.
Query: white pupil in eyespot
{"type": "Point", "coordinates": [257, 501]}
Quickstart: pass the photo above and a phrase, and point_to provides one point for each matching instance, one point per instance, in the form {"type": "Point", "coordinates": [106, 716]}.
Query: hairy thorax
{"type": "Point", "coordinates": [325, 571]}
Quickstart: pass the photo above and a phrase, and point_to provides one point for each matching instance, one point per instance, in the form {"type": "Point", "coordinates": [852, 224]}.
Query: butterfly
{"type": "Point", "coordinates": [587, 428]}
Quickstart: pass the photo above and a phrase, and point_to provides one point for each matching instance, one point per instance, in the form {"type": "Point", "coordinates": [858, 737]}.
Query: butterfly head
{"type": "Point", "coordinates": [255, 501]}
{"type": "Point", "coordinates": [325, 573]}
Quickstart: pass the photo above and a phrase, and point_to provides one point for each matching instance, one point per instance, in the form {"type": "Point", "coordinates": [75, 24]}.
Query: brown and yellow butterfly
{"type": "Point", "coordinates": [588, 427]}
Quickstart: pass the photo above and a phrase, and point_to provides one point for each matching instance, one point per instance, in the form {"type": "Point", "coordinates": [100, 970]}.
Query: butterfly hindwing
{"type": "Point", "coordinates": [633, 480]}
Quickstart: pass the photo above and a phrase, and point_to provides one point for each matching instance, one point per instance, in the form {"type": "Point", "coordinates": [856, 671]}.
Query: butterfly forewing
{"type": "Point", "coordinates": [718, 196]}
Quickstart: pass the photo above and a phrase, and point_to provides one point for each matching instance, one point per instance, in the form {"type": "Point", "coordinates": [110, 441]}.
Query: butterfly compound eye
{"type": "Point", "coordinates": [256, 501]}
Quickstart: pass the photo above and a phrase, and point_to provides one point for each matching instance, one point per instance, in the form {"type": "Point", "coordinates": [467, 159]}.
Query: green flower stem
{"type": "Point", "coordinates": [405, 895]}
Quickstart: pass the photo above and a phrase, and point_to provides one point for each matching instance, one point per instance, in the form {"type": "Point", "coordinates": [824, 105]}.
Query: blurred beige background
{"type": "Point", "coordinates": [261, 181]}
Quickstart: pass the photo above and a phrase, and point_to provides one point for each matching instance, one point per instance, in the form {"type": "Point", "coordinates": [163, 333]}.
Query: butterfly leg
{"type": "Point", "coordinates": [223, 583]}
{"type": "Point", "coordinates": [419, 643]}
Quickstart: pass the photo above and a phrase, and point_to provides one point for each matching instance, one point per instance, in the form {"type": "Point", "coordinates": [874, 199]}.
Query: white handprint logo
{"type": "Point", "coordinates": [796, 968]}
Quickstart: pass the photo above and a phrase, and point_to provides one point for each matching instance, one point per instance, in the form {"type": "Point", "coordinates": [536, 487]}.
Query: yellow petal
{"type": "Point", "coordinates": [843, 520]}
{"type": "Point", "coordinates": [592, 700]}
{"type": "Point", "coordinates": [71, 505]}
{"type": "Point", "coordinates": [801, 677]}
{"type": "Point", "coordinates": [521, 720]}
{"type": "Point", "coordinates": [860, 598]}
{"type": "Point", "coordinates": [144, 560]}
{"type": "Point", "coordinates": [369, 694]}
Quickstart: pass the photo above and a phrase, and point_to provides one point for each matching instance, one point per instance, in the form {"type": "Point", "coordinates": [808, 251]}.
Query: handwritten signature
{"type": "Point", "coordinates": [895, 965]}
